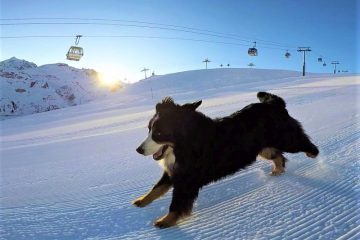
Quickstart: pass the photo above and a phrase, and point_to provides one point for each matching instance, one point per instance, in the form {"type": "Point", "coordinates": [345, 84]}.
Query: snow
{"type": "Point", "coordinates": [27, 88]}
{"type": "Point", "coordinates": [72, 173]}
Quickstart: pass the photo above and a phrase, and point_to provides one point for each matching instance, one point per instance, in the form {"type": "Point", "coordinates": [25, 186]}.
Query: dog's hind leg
{"type": "Point", "coordinates": [278, 160]}
{"type": "Point", "coordinates": [160, 188]}
{"type": "Point", "coordinates": [278, 165]}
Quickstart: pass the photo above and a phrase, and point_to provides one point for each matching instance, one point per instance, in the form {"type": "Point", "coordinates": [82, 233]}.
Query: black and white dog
{"type": "Point", "coordinates": [195, 150]}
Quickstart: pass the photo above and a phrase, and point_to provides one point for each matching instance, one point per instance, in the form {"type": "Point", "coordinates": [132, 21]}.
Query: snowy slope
{"type": "Point", "coordinates": [27, 88]}
{"type": "Point", "coordinates": [74, 176]}
{"type": "Point", "coordinates": [210, 82]}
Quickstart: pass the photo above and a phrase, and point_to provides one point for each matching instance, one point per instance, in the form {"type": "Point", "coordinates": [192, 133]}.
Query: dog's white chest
{"type": "Point", "coordinates": [168, 163]}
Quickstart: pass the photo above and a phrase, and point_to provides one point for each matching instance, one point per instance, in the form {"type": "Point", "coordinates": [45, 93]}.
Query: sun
{"type": "Point", "coordinates": [108, 78]}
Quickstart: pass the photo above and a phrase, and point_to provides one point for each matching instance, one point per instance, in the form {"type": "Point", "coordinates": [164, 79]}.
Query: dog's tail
{"type": "Point", "coordinates": [265, 97]}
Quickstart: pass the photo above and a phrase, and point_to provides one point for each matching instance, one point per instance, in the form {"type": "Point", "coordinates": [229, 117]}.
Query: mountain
{"type": "Point", "coordinates": [27, 88]}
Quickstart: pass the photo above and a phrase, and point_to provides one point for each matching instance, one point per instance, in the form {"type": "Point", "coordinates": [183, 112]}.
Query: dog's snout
{"type": "Point", "coordinates": [140, 150]}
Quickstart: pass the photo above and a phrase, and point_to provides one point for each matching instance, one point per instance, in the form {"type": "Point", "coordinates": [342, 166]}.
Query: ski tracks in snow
{"type": "Point", "coordinates": [59, 193]}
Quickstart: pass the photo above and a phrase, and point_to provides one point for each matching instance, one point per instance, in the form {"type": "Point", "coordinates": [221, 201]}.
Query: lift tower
{"type": "Point", "coordinates": [304, 50]}
{"type": "Point", "coordinates": [335, 63]}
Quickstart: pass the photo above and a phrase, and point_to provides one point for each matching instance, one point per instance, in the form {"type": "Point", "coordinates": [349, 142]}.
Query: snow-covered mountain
{"type": "Point", "coordinates": [27, 88]}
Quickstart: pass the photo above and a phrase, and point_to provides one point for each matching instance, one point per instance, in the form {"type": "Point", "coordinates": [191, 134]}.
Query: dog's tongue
{"type": "Point", "coordinates": [159, 154]}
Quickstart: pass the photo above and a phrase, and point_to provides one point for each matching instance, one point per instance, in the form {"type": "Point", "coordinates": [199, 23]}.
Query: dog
{"type": "Point", "coordinates": [195, 150]}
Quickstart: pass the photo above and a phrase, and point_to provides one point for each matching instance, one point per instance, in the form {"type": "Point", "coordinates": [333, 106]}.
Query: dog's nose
{"type": "Point", "coordinates": [140, 150]}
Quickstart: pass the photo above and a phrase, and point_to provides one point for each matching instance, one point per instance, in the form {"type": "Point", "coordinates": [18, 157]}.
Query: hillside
{"type": "Point", "coordinates": [72, 173]}
{"type": "Point", "coordinates": [27, 88]}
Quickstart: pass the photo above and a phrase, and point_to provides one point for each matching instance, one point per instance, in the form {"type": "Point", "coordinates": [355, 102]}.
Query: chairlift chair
{"type": "Point", "coordinates": [324, 64]}
{"type": "Point", "coordinates": [253, 51]}
{"type": "Point", "coordinates": [287, 54]}
{"type": "Point", "coordinates": [75, 52]}
{"type": "Point", "coordinates": [320, 59]}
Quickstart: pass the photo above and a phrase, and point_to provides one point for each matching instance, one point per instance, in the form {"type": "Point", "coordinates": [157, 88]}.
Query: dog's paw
{"type": "Point", "coordinates": [276, 173]}
{"type": "Point", "coordinates": [140, 202]}
{"type": "Point", "coordinates": [166, 221]}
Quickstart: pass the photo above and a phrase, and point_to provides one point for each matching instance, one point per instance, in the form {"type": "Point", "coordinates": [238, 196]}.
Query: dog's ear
{"type": "Point", "coordinates": [166, 102]}
{"type": "Point", "coordinates": [192, 106]}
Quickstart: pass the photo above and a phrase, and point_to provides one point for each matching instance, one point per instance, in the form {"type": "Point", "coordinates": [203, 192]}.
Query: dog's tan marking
{"type": "Point", "coordinates": [167, 220]}
{"type": "Point", "coordinates": [168, 161]}
{"type": "Point", "coordinates": [154, 194]}
{"type": "Point", "coordinates": [310, 155]}
{"type": "Point", "coordinates": [277, 158]}
{"type": "Point", "coordinates": [268, 153]}
{"type": "Point", "coordinates": [277, 165]}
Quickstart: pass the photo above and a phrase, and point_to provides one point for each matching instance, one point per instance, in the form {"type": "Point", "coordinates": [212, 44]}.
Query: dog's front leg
{"type": "Point", "coordinates": [160, 188]}
{"type": "Point", "coordinates": [184, 195]}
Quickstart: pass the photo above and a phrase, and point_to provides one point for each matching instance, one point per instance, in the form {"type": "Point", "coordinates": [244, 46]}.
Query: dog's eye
{"type": "Point", "coordinates": [157, 133]}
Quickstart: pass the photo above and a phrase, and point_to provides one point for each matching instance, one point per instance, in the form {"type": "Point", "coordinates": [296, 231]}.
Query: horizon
{"type": "Point", "coordinates": [221, 39]}
{"type": "Point", "coordinates": [110, 83]}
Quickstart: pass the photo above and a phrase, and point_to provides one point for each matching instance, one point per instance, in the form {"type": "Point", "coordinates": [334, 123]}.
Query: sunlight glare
{"type": "Point", "coordinates": [109, 78]}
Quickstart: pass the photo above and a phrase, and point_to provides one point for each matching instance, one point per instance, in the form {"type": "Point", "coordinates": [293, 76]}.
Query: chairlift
{"type": "Point", "coordinates": [75, 52]}
{"type": "Point", "coordinates": [320, 59]}
{"type": "Point", "coordinates": [253, 51]}
{"type": "Point", "coordinates": [324, 64]}
{"type": "Point", "coordinates": [287, 54]}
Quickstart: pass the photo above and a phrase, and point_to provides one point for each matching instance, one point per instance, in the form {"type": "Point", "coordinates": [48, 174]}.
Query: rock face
{"type": "Point", "coordinates": [26, 88]}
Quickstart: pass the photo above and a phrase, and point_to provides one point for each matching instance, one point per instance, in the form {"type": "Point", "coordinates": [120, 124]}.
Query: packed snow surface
{"type": "Point", "coordinates": [72, 173]}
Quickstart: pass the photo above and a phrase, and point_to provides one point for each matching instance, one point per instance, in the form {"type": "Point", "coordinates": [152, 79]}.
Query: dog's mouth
{"type": "Point", "coordinates": [160, 153]}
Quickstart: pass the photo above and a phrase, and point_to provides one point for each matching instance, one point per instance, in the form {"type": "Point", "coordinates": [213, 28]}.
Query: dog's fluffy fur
{"type": "Point", "coordinates": [195, 150]}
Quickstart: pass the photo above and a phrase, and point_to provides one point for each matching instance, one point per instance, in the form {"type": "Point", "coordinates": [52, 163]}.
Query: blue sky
{"type": "Point", "coordinates": [329, 27]}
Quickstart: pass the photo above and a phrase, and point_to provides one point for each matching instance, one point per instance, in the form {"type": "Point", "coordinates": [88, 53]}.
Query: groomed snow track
{"type": "Point", "coordinates": [74, 177]}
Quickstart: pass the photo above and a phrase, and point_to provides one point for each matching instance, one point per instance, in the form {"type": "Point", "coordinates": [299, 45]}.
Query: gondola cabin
{"type": "Point", "coordinates": [75, 53]}
{"type": "Point", "coordinates": [253, 51]}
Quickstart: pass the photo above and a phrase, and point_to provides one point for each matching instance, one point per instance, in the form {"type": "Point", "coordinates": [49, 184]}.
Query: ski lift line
{"type": "Point", "coordinates": [134, 25]}
{"type": "Point", "coordinates": [151, 23]}
{"type": "Point", "coordinates": [134, 36]}
{"type": "Point", "coordinates": [233, 36]}
{"type": "Point", "coordinates": [124, 25]}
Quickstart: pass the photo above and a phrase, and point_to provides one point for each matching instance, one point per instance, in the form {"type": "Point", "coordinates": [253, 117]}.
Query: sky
{"type": "Point", "coordinates": [329, 27]}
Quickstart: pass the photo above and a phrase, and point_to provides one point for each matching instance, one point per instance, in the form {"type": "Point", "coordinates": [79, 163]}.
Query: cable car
{"type": "Point", "coordinates": [324, 64]}
{"type": "Point", "coordinates": [253, 51]}
{"type": "Point", "coordinates": [75, 52]}
{"type": "Point", "coordinates": [287, 54]}
{"type": "Point", "coordinates": [320, 59]}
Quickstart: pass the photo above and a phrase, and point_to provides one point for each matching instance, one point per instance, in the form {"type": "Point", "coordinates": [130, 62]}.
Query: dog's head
{"type": "Point", "coordinates": [163, 127]}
